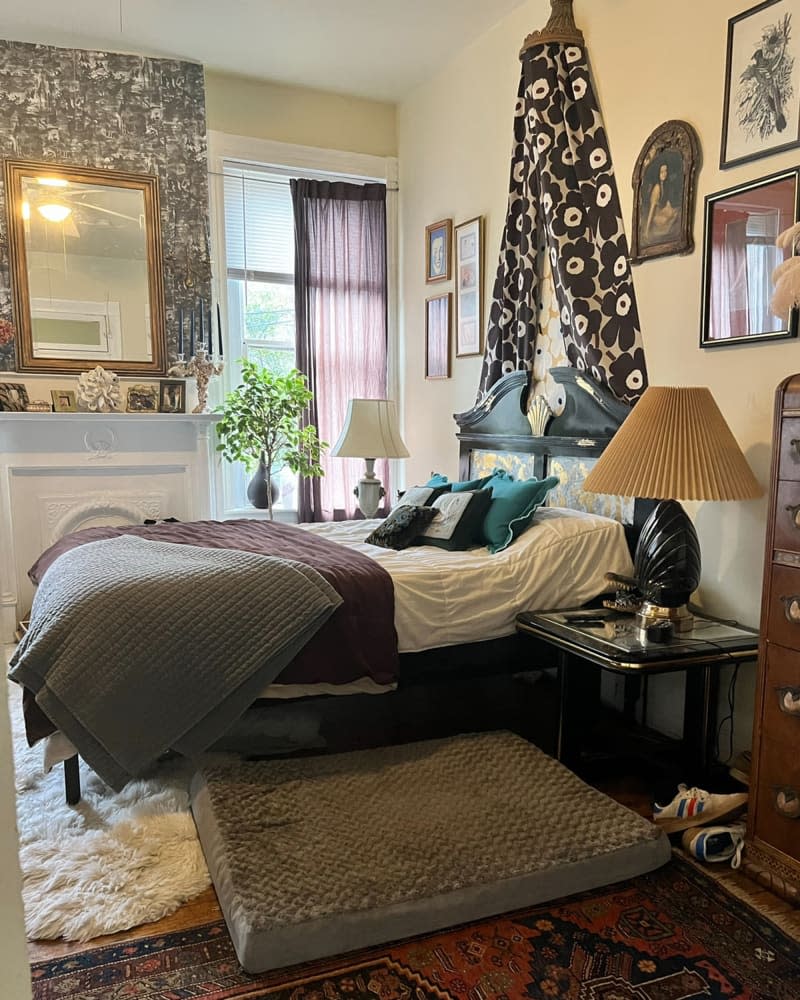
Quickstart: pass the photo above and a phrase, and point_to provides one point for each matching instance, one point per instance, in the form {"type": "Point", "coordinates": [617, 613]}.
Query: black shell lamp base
{"type": "Point", "coordinates": [667, 567]}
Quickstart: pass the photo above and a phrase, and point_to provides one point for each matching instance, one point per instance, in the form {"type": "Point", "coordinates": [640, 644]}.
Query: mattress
{"type": "Point", "coordinates": [324, 855]}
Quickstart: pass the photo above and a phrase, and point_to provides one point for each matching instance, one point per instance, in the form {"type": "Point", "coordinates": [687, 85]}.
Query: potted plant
{"type": "Point", "coordinates": [260, 427]}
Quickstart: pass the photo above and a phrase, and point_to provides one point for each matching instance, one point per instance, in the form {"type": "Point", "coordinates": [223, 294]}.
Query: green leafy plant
{"type": "Point", "coordinates": [262, 417]}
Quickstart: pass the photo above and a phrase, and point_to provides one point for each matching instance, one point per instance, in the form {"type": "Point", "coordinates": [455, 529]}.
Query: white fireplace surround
{"type": "Point", "coordinates": [60, 472]}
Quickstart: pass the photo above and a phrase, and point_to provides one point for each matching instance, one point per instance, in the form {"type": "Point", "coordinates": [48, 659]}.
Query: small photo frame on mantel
{"type": "Point", "coordinates": [64, 400]}
{"type": "Point", "coordinates": [142, 398]}
{"type": "Point", "coordinates": [437, 336]}
{"type": "Point", "coordinates": [438, 244]}
{"type": "Point", "coordinates": [469, 286]}
{"type": "Point", "coordinates": [13, 397]}
{"type": "Point", "coordinates": [762, 83]}
{"type": "Point", "coordinates": [172, 396]}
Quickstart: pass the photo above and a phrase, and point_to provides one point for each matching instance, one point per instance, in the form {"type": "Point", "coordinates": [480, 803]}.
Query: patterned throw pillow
{"type": "Point", "coordinates": [421, 496]}
{"type": "Point", "coordinates": [459, 526]}
{"type": "Point", "coordinates": [401, 527]}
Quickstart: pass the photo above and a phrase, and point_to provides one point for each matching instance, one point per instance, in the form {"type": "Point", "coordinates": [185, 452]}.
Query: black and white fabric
{"type": "Point", "coordinates": [563, 201]}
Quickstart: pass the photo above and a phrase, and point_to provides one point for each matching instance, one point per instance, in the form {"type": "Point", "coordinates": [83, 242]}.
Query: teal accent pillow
{"type": "Point", "coordinates": [437, 479]}
{"type": "Point", "coordinates": [458, 526]}
{"type": "Point", "coordinates": [512, 508]}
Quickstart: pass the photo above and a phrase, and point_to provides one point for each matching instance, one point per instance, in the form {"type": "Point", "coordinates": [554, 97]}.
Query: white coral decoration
{"type": "Point", "coordinates": [98, 390]}
{"type": "Point", "coordinates": [786, 275]}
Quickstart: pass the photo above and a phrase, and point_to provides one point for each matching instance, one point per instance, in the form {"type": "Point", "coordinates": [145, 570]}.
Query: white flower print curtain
{"type": "Point", "coordinates": [563, 202]}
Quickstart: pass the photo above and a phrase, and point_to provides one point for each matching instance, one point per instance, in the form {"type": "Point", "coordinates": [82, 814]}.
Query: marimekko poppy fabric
{"type": "Point", "coordinates": [563, 203]}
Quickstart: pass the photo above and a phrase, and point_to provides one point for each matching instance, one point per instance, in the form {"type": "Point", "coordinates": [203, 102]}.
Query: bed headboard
{"type": "Point", "coordinates": [497, 432]}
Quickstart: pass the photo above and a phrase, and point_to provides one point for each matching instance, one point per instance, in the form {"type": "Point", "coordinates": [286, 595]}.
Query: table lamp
{"type": "Point", "coordinates": [370, 431]}
{"type": "Point", "coordinates": [674, 445]}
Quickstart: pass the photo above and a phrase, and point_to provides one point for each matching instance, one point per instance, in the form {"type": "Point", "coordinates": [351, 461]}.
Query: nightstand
{"type": "Point", "coordinates": [585, 639]}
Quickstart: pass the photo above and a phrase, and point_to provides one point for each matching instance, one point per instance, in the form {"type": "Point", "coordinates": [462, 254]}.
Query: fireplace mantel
{"type": "Point", "coordinates": [63, 471]}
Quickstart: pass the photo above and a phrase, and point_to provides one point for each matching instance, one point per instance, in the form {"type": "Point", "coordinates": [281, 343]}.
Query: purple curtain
{"type": "Point", "coordinates": [340, 304]}
{"type": "Point", "coordinates": [563, 200]}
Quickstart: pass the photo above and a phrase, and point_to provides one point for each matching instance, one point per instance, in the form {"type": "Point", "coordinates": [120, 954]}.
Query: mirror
{"type": "Point", "coordinates": [741, 225]}
{"type": "Point", "coordinates": [85, 251]}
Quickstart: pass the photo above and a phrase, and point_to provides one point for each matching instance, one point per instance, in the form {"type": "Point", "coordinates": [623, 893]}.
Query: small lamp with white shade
{"type": "Point", "coordinates": [370, 431]}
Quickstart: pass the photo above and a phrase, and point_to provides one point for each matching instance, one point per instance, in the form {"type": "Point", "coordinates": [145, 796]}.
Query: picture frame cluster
{"type": "Point", "coordinates": [453, 251]}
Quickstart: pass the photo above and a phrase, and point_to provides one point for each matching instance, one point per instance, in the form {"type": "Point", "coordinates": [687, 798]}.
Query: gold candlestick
{"type": "Point", "coordinates": [200, 367]}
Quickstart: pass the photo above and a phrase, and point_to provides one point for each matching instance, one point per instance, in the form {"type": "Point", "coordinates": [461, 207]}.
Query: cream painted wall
{"type": "Point", "coordinates": [454, 137]}
{"type": "Point", "coordinates": [264, 110]}
{"type": "Point", "coordinates": [455, 140]}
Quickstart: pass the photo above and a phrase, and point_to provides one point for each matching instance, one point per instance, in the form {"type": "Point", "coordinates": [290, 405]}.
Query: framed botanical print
{"type": "Point", "coordinates": [663, 193]}
{"type": "Point", "coordinates": [762, 83]}
{"type": "Point", "coordinates": [469, 286]}
{"type": "Point", "coordinates": [438, 243]}
{"type": "Point", "coordinates": [437, 336]}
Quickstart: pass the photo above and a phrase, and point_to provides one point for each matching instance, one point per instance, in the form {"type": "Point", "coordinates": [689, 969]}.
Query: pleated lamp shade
{"type": "Point", "coordinates": [370, 431]}
{"type": "Point", "coordinates": [674, 445]}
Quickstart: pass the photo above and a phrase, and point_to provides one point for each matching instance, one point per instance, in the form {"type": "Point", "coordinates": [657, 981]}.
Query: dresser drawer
{"type": "Point", "coordinates": [781, 708]}
{"type": "Point", "coordinates": [789, 462]}
{"type": "Point", "coordinates": [787, 516]}
{"type": "Point", "coordinates": [783, 621]}
{"type": "Point", "coordinates": [778, 796]}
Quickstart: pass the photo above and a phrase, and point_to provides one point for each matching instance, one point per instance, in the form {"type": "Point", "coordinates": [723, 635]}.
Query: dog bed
{"type": "Point", "coordinates": [322, 855]}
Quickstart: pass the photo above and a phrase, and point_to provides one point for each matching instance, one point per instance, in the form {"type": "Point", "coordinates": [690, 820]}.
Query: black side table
{"type": "Point", "coordinates": [585, 639]}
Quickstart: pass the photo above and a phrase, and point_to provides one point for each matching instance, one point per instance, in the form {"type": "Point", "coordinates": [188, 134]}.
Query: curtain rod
{"type": "Point", "coordinates": [559, 28]}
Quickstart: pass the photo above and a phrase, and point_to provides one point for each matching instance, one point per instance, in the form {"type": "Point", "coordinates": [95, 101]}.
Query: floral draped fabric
{"type": "Point", "coordinates": [563, 202]}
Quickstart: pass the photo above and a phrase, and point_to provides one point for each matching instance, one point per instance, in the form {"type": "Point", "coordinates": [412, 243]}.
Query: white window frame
{"type": "Point", "coordinates": [303, 160]}
{"type": "Point", "coordinates": [105, 314]}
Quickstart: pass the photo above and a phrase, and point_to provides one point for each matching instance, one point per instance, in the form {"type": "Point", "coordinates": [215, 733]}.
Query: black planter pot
{"type": "Point", "coordinates": [258, 486]}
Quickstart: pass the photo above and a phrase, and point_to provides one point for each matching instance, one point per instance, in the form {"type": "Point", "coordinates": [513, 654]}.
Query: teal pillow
{"type": "Point", "coordinates": [512, 508]}
{"type": "Point", "coordinates": [437, 479]}
{"type": "Point", "coordinates": [458, 526]}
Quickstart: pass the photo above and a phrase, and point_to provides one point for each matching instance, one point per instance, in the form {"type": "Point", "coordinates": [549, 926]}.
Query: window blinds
{"type": "Point", "coordinates": [259, 225]}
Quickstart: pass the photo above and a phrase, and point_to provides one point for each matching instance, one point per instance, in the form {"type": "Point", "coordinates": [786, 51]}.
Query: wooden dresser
{"type": "Point", "coordinates": [772, 854]}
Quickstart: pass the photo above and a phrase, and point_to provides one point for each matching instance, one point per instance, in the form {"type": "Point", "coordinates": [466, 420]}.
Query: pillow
{"type": "Point", "coordinates": [421, 496]}
{"type": "Point", "coordinates": [459, 524]}
{"type": "Point", "coordinates": [512, 508]}
{"type": "Point", "coordinates": [437, 479]}
{"type": "Point", "coordinates": [402, 526]}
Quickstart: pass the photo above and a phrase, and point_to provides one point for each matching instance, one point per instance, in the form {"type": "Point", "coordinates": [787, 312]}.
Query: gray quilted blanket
{"type": "Point", "coordinates": [136, 647]}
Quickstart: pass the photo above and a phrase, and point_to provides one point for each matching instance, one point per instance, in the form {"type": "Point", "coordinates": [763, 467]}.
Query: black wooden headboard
{"type": "Point", "coordinates": [498, 432]}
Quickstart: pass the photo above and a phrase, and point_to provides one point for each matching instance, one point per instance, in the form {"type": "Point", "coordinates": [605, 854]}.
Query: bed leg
{"type": "Point", "coordinates": [72, 780]}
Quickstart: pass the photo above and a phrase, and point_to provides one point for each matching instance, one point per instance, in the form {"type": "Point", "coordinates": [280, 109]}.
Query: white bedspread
{"type": "Point", "coordinates": [445, 598]}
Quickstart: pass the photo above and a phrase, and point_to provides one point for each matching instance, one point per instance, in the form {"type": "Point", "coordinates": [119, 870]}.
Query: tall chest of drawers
{"type": "Point", "coordinates": [772, 854]}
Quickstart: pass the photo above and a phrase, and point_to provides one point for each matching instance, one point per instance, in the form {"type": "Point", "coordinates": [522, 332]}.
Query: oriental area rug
{"type": "Point", "coordinates": [671, 935]}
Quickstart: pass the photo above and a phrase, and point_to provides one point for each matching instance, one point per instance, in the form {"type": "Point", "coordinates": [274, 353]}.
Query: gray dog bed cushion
{"type": "Point", "coordinates": [323, 855]}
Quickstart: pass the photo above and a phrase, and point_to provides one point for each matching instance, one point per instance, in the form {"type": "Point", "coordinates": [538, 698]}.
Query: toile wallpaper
{"type": "Point", "coordinates": [120, 112]}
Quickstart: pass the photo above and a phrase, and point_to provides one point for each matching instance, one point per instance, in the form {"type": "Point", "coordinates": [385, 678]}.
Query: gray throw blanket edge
{"type": "Point", "coordinates": [30, 664]}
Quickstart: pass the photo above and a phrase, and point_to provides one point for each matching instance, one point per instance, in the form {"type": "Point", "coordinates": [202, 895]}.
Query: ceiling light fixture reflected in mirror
{"type": "Point", "coordinates": [53, 212]}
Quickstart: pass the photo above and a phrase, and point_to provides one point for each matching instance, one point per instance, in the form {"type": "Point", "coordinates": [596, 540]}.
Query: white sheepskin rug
{"type": "Point", "coordinates": [114, 860]}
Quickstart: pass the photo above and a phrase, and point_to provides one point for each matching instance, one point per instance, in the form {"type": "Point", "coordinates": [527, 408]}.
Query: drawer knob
{"type": "Point", "coordinates": [791, 608]}
{"type": "Point", "coordinates": [794, 511]}
{"type": "Point", "coordinates": [789, 700]}
{"type": "Point", "coordinates": [787, 803]}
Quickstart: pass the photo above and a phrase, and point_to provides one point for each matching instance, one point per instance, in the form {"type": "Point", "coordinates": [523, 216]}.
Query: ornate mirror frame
{"type": "Point", "coordinates": [15, 171]}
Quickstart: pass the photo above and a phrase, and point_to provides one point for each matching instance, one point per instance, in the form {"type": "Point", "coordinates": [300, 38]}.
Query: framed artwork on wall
{"type": "Point", "coordinates": [762, 83]}
{"type": "Point", "coordinates": [437, 336]}
{"type": "Point", "coordinates": [740, 256]}
{"type": "Point", "coordinates": [469, 286]}
{"type": "Point", "coordinates": [438, 243]}
{"type": "Point", "coordinates": [663, 193]}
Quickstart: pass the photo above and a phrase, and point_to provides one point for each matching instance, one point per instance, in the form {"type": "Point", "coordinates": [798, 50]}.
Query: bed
{"type": "Point", "coordinates": [454, 608]}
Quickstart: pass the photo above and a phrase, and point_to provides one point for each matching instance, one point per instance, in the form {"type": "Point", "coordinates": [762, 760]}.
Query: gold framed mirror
{"type": "Point", "coordinates": [85, 256]}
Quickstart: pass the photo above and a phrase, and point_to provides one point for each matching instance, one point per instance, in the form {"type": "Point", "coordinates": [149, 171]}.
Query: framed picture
{"type": "Point", "coordinates": [663, 193]}
{"type": "Point", "coordinates": [13, 397]}
{"type": "Point", "coordinates": [469, 287]}
{"type": "Point", "coordinates": [142, 399]}
{"type": "Point", "coordinates": [438, 241]}
{"type": "Point", "coordinates": [63, 400]}
{"type": "Point", "coordinates": [172, 396]}
{"type": "Point", "coordinates": [739, 257]}
{"type": "Point", "coordinates": [762, 83]}
{"type": "Point", "coordinates": [437, 336]}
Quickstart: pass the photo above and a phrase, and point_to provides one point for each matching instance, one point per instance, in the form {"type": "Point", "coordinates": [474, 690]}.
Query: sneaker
{"type": "Point", "coordinates": [716, 843]}
{"type": "Point", "coordinates": [741, 766]}
{"type": "Point", "coordinates": [696, 807]}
